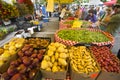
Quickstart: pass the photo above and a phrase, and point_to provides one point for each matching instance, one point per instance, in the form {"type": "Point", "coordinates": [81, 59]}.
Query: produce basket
{"type": "Point", "coordinates": [62, 24]}
{"type": "Point", "coordinates": [38, 42]}
{"type": "Point", "coordinates": [55, 62]}
{"type": "Point", "coordinates": [69, 23]}
{"type": "Point", "coordinates": [77, 76]}
{"type": "Point", "coordinates": [109, 63]}
{"type": "Point", "coordinates": [71, 42]}
{"type": "Point", "coordinates": [80, 67]}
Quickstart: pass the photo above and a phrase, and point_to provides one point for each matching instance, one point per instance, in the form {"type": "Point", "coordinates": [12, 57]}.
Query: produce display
{"type": "Point", "coordinates": [83, 36]}
{"type": "Point", "coordinates": [108, 61]}
{"type": "Point", "coordinates": [86, 24]}
{"type": "Point", "coordinates": [55, 58]}
{"type": "Point", "coordinates": [69, 22]}
{"type": "Point", "coordinates": [26, 66]}
{"type": "Point", "coordinates": [38, 42]}
{"type": "Point", "coordinates": [81, 60]}
{"type": "Point", "coordinates": [78, 23]}
{"type": "Point", "coordinates": [10, 49]}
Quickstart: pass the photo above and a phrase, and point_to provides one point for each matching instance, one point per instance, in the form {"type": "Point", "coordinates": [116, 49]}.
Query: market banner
{"type": "Point", "coordinates": [50, 6]}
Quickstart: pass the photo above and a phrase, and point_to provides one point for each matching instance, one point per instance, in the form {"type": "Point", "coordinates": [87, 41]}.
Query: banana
{"type": "Point", "coordinates": [75, 68]}
{"type": "Point", "coordinates": [82, 61]}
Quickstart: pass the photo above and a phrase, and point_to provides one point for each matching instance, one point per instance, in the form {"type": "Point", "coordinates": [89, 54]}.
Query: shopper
{"type": "Point", "coordinates": [106, 19]}
{"type": "Point", "coordinates": [98, 12]}
{"type": "Point", "coordinates": [116, 9]}
{"type": "Point", "coordinates": [92, 10]}
{"type": "Point", "coordinates": [78, 13]}
{"type": "Point", "coordinates": [84, 13]}
{"type": "Point", "coordinates": [63, 12]}
{"type": "Point", "coordinates": [91, 17]}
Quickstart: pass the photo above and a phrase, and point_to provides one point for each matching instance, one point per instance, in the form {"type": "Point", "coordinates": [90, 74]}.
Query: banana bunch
{"type": "Point", "coordinates": [77, 24]}
{"type": "Point", "coordinates": [82, 61]}
{"type": "Point", "coordinates": [56, 58]}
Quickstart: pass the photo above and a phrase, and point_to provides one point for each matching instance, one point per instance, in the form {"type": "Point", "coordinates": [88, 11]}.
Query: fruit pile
{"type": "Point", "coordinates": [108, 61]}
{"type": "Point", "coordinates": [38, 42]}
{"type": "Point", "coordinates": [56, 58]}
{"type": "Point", "coordinates": [81, 60]}
{"type": "Point", "coordinates": [83, 36]}
{"type": "Point", "coordinates": [77, 24]}
{"type": "Point", "coordinates": [86, 24]}
{"type": "Point", "coordinates": [74, 23]}
{"type": "Point", "coordinates": [10, 49]}
{"type": "Point", "coordinates": [69, 22]}
{"type": "Point", "coordinates": [26, 66]}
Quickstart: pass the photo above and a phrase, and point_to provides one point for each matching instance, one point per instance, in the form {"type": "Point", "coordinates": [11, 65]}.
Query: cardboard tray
{"type": "Point", "coordinates": [53, 75]}
{"type": "Point", "coordinates": [92, 76]}
{"type": "Point", "coordinates": [43, 38]}
{"type": "Point", "coordinates": [77, 76]}
{"type": "Point", "coordinates": [82, 76]}
{"type": "Point", "coordinates": [108, 76]}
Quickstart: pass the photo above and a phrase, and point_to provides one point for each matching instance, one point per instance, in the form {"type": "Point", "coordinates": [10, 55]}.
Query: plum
{"type": "Point", "coordinates": [26, 60]}
{"type": "Point", "coordinates": [33, 55]}
{"type": "Point", "coordinates": [17, 76]}
{"type": "Point", "coordinates": [5, 76]}
{"type": "Point", "coordinates": [21, 68]}
{"type": "Point", "coordinates": [12, 70]}
{"type": "Point", "coordinates": [32, 74]}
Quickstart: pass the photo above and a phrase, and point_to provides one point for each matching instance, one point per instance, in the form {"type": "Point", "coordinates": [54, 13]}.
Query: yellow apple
{"type": "Point", "coordinates": [6, 46]}
{"type": "Point", "coordinates": [18, 45]}
{"type": "Point", "coordinates": [12, 52]}
{"type": "Point", "coordinates": [12, 48]}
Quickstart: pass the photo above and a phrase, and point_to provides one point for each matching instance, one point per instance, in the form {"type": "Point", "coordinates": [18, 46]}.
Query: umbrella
{"type": "Point", "coordinates": [110, 3]}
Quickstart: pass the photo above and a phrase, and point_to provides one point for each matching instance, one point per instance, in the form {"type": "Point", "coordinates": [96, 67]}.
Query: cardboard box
{"type": "Point", "coordinates": [108, 76]}
{"type": "Point", "coordinates": [53, 75]}
{"type": "Point", "coordinates": [82, 76]}
{"type": "Point", "coordinates": [5, 66]}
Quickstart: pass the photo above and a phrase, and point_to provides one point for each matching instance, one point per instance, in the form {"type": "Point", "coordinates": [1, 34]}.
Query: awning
{"type": "Point", "coordinates": [110, 3]}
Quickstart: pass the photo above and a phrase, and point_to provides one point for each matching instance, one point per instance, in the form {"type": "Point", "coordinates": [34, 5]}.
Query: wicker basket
{"type": "Point", "coordinates": [71, 43]}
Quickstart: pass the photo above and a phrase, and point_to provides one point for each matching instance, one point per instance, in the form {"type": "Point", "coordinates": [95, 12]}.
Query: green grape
{"type": "Point", "coordinates": [84, 36]}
